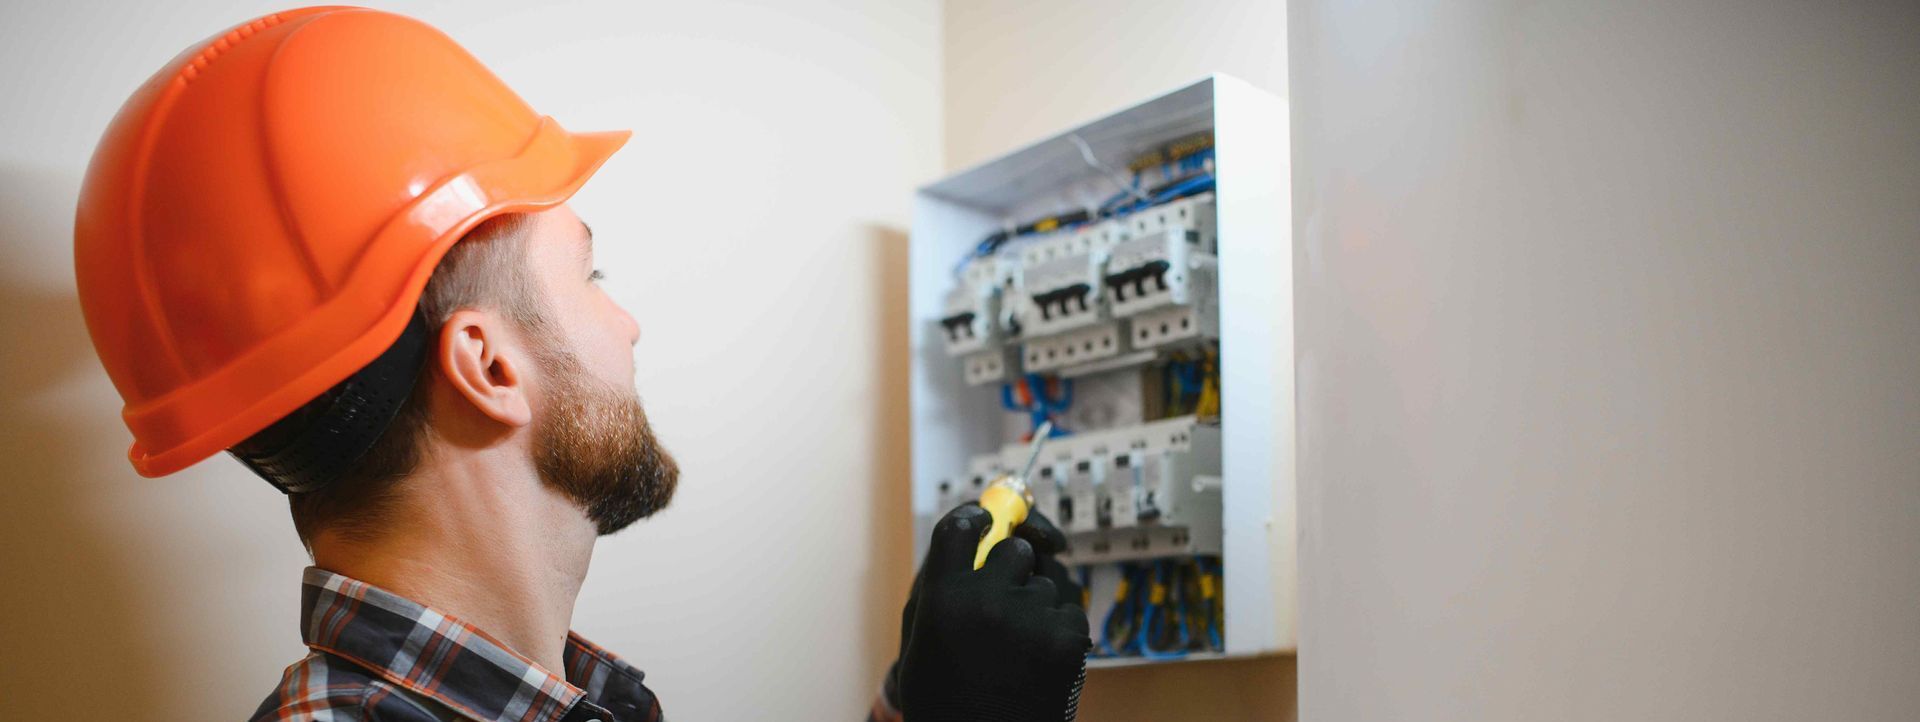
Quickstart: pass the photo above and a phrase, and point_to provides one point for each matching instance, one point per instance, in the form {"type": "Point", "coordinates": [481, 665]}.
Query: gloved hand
{"type": "Point", "coordinates": [1001, 643]}
{"type": "Point", "coordinates": [1048, 542]}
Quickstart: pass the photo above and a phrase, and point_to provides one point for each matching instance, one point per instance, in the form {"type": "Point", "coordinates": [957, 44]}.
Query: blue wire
{"type": "Point", "coordinates": [1150, 653]}
{"type": "Point", "coordinates": [1155, 617]}
{"type": "Point", "coordinates": [1038, 413]}
{"type": "Point", "coordinates": [1191, 186]}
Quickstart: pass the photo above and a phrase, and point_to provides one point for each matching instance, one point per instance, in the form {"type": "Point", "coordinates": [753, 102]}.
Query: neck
{"type": "Point", "coordinates": [481, 539]}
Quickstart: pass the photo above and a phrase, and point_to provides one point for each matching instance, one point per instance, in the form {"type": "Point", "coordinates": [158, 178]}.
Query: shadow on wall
{"type": "Point", "coordinates": [72, 639]}
{"type": "Point", "coordinates": [890, 559]}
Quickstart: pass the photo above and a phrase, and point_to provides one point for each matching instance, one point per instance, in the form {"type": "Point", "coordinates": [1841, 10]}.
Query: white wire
{"type": "Point", "coordinates": [1119, 179]}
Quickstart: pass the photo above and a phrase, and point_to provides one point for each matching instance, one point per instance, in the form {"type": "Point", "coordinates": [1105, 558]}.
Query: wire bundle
{"type": "Point", "coordinates": [1164, 609]}
{"type": "Point", "coordinates": [1166, 614]}
{"type": "Point", "coordinates": [1190, 384]}
{"type": "Point", "coordinates": [1119, 633]}
{"type": "Point", "coordinates": [1195, 177]}
{"type": "Point", "coordinates": [1191, 174]}
{"type": "Point", "coordinates": [1042, 398]}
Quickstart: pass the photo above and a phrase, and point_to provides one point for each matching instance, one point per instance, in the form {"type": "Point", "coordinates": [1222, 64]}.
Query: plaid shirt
{"type": "Point", "coordinates": [378, 656]}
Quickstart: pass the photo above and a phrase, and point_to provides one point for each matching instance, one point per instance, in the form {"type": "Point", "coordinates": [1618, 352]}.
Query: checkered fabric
{"type": "Point", "coordinates": [377, 655]}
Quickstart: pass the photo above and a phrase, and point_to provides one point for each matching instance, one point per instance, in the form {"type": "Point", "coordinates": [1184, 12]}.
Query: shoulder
{"type": "Point", "coordinates": [322, 688]}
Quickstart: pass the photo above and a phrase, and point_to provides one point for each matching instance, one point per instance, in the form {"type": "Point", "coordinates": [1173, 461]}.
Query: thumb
{"type": "Point", "coordinates": [955, 541]}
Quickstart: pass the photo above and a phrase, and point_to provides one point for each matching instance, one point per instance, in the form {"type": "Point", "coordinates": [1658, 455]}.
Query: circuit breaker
{"type": "Point", "coordinates": [1128, 281]}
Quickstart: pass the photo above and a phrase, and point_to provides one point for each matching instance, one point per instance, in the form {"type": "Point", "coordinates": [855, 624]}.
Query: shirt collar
{"type": "Point", "coordinates": [438, 656]}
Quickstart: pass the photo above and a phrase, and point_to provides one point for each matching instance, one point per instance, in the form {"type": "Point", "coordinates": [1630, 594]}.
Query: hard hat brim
{"type": "Point", "coordinates": [367, 317]}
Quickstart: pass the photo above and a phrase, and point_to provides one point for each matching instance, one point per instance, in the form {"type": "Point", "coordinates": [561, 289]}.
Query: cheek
{"type": "Point", "coordinates": [616, 355]}
{"type": "Point", "coordinates": [599, 340]}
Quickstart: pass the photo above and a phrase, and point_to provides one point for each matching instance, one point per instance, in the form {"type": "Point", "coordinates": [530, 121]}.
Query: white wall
{"type": "Point", "coordinates": [1019, 71]}
{"type": "Point", "coordinates": [753, 227]}
{"type": "Point", "coordinates": [1610, 399]}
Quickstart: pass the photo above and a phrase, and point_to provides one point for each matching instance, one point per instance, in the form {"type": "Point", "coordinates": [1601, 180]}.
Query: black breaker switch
{"type": "Point", "coordinates": [958, 326]}
{"type": "Point", "coordinates": [1065, 298]}
{"type": "Point", "coordinates": [1138, 277]}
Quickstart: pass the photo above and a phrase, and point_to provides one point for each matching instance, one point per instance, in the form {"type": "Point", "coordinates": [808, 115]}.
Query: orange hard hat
{"type": "Point", "coordinates": [260, 218]}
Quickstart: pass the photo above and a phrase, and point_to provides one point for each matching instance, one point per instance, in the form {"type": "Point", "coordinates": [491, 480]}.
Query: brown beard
{"type": "Point", "coordinates": [593, 444]}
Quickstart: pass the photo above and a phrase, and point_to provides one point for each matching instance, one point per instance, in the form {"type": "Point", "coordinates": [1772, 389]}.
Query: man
{"type": "Point", "coordinates": [332, 243]}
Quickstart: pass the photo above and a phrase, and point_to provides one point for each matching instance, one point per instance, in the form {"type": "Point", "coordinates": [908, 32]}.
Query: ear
{"type": "Point", "coordinates": [484, 365]}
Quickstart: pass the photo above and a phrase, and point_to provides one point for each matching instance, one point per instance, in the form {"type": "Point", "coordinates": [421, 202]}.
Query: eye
{"type": "Point", "coordinates": [597, 276]}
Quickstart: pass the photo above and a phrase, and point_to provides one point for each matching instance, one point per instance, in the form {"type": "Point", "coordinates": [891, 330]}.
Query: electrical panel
{"type": "Point", "coordinates": [1129, 282]}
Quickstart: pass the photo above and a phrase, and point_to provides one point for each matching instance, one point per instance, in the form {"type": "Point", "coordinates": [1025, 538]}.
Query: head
{"type": "Point", "coordinates": [527, 358]}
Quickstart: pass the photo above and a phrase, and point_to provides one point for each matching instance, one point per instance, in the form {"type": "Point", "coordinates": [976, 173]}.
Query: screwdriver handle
{"type": "Point", "coordinates": [1007, 500]}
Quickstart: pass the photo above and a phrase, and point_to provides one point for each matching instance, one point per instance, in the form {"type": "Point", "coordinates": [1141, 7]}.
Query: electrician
{"type": "Point", "coordinates": [333, 244]}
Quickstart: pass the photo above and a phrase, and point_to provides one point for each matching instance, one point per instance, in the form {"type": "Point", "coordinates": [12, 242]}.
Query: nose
{"type": "Point", "coordinates": [628, 324]}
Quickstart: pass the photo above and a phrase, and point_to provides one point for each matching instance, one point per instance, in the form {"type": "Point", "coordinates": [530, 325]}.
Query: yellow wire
{"type": "Point", "coordinates": [1208, 407]}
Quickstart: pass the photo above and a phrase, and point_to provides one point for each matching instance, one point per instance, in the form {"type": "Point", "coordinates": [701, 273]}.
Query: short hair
{"type": "Point", "coordinates": [486, 268]}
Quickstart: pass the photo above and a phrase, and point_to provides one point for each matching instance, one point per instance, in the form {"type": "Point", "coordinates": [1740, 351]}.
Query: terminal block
{"type": "Point", "coordinates": [1195, 213]}
{"type": "Point", "coordinates": [992, 366]}
{"type": "Point", "coordinates": [1174, 326]}
{"type": "Point", "coordinates": [1097, 343]}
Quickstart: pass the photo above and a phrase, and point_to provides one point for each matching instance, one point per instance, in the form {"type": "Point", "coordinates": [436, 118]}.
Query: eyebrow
{"type": "Point", "coordinates": [587, 253]}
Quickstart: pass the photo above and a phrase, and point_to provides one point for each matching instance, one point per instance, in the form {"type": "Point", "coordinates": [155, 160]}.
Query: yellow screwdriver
{"type": "Point", "coordinates": [1007, 499]}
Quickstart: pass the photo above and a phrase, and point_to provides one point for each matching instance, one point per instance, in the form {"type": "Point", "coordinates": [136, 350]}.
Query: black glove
{"type": "Point", "coordinates": [1047, 540]}
{"type": "Point", "coordinates": [997, 644]}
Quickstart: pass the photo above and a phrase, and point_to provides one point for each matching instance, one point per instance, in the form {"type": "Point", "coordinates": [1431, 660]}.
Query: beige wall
{"type": "Point", "coordinates": [1020, 71]}
{"type": "Point", "coordinates": [1017, 71]}
{"type": "Point", "coordinates": [1610, 359]}
{"type": "Point", "coordinates": [752, 227]}
{"type": "Point", "coordinates": [1607, 337]}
